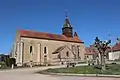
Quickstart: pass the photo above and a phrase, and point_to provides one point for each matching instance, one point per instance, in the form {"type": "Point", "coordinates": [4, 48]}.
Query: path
{"type": "Point", "coordinates": [28, 74]}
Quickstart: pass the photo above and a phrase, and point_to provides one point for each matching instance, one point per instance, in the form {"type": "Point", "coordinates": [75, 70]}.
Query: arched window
{"type": "Point", "coordinates": [78, 51]}
{"type": "Point", "coordinates": [67, 54]}
{"type": "Point", "coordinates": [45, 50]}
{"type": "Point", "coordinates": [31, 50]}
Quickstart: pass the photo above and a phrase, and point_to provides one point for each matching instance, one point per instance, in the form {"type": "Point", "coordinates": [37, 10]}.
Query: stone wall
{"type": "Point", "coordinates": [38, 55]}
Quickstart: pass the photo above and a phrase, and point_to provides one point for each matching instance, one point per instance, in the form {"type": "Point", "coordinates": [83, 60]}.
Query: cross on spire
{"type": "Point", "coordinates": [66, 23]}
{"type": "Point", "coordinates": [66, 13]}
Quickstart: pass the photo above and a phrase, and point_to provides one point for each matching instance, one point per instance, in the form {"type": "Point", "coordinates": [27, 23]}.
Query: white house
{"type": "Point", "coordinates": [115, 51]}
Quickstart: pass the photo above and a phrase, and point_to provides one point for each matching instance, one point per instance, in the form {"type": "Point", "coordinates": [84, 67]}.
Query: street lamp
{"type": "Point", "coordinates": [102, 46]}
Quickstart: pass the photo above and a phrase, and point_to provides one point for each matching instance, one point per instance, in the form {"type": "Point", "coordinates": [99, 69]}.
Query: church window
{"type": "Point", "coordinates": [67, 54]}
{"type": "Point", "coordinates": [78, 51]}
{"type": "Point", "coordinates": [31, 50]}
{"type": "Point", "coordinates": [45, 50]}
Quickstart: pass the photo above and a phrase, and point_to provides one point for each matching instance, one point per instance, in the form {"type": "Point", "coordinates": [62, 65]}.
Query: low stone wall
{"type": "Point", "coordinates": [81, 75]}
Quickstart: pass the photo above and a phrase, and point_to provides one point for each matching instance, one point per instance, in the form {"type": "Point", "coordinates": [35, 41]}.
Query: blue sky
{"type": "Point", "coordinates": [90, 18]}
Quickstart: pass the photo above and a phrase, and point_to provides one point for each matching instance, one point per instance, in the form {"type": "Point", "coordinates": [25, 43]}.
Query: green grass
{"type": "Point", "coordinates": [111, 69]}
{"type": "Point", "coordinates": [3, 66]}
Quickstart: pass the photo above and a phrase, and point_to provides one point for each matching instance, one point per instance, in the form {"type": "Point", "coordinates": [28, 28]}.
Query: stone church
{"type": "Point", "coordinates": [46, 48]}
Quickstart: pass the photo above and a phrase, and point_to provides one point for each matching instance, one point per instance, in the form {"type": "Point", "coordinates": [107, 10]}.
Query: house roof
{"type": "Point", "coordinates": [48, 36]}
{"type": "Point", "coordinates": [59, 49]}
{"type": "Point", "coordinates": [116, 47]}
{"type": "Point", "coordinates": [108, 49]}
{"type": "Point", "coordinates": [91, 51]}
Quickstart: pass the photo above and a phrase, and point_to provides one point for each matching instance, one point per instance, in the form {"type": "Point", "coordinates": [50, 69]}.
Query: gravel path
{"type": "Point", "coordinates": [28, 74]}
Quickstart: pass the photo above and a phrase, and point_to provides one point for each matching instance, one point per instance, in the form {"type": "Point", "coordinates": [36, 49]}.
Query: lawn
{"type": "Point", "coordinates": [113, 69]}
{"type": "Point", "coordinates": [3, 66]}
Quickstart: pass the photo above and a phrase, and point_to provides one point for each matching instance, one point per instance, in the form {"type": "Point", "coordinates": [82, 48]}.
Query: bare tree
{"type": "Point", "coordinates": [102, 47]}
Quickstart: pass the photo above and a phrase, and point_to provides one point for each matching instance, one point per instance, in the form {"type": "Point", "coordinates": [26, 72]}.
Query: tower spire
{"type": "Point", "coordinates": [66, 23]}
{"type": "Point", "coordinates": [67, 29]}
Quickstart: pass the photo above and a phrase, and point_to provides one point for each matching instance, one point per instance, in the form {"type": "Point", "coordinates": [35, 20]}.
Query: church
{"type": "Point", "coordinates": [42, 48]}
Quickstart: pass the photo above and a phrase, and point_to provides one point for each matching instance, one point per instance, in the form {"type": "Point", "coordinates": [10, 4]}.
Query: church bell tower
{"type": "Point", "coordinates": [67, 29]}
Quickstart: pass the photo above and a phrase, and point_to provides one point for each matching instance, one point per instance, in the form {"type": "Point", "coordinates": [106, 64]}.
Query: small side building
{"type": "Point", "coordinates": [91, 53]}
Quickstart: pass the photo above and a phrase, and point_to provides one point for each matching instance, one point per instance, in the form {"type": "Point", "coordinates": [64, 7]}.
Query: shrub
{"type": "Point", "coordinates": [7, 62]}
{"type": "Point", "coordinates": [113, 63]}
{"type": "Point", "coordinates": [10, 61]}
{"type": "Point", "coordinates": [97, 67]}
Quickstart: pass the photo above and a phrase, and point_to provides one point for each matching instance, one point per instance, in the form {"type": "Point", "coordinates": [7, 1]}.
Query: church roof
{"type": "Point", "coordinates": [116, 47]}
{"type": "Point", "coordinates": [48, 36]}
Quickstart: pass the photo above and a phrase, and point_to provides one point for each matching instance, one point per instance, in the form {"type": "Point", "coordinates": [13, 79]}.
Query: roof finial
{"type": "Point", "coordinates": [118, 40]}
{"type": "Point", "coordinates": [66, 12]}
{"type": "Point", "coordinates": [75, 34]}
